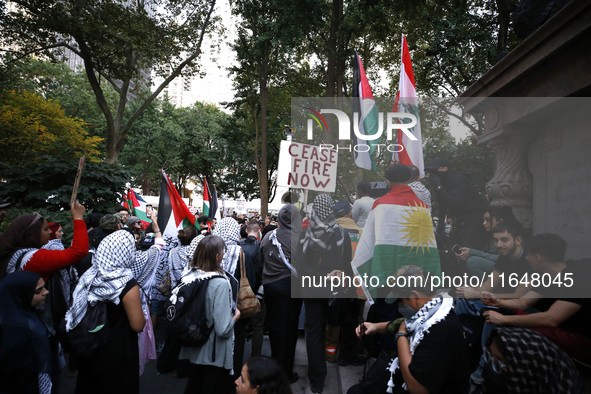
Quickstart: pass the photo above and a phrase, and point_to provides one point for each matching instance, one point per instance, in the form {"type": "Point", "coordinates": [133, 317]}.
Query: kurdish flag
{"type": "Point", "coordinates": [406, 101]}
{"type": "Point", "coordinates": [368, 125]}
{"type": "Point", "coordinates": [173, 213]}
{"type": "Point", "coordinates": [398, 232]}
{"type": "Point", "coordinates": [137, 205]}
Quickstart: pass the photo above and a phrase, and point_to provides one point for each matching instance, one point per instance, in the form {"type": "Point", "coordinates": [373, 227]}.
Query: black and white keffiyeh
{"type": "Point", "coordinates": [68, 277]}
{"type": "Point", "coordinates": [323, 234]}
{"type": "Point", "coordinates": [229, 230]}
{"type": "Point", "coordinates": [145, 265]}
{"type": "Point", "coordinates": [536, 365]}
{"type": "Point", "coordinates": [190, 252]}
{"type": "Point", "coordinates": [108, 276]}
{"type": "Point", "coordinates": [22, 255]}
{"type": "Point", "coordinates": [419, 324]}
{"type": "Point", "coordinates": [275, 241]}
{"type": "Point", "coordinates": [162, 274]}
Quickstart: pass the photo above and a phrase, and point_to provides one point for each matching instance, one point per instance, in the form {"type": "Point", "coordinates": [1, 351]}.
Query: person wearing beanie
{"type": "Point", "coordinates": [134, 224]}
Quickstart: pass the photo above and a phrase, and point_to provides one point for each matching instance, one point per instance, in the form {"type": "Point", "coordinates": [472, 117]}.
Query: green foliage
{"type": "Point", "coordinates": [190, 144]}
{"type": "Point", "coordinates": [62, 217]}
{"type": "Point", "coordinates": [118, 41]}
{"type": "Point", "coordinates": [48, 184]}
{"type": "Point", "coordinates": [30, 124]}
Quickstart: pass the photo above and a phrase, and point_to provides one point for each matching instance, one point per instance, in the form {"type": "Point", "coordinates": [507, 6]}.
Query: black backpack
{"type": "Point", "coordinates": [186, 315]}
{"type": "Point", "coordinates": [93, 331]}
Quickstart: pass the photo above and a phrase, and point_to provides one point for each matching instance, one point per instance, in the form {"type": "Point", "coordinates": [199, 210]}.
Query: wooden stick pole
{"type": "Point", "coordinates": [77, 180]}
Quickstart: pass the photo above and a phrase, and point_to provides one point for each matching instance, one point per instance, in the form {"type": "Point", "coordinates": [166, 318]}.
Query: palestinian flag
{"type": "Point", "coordinates": [398, 232]}
{"type": "Point", "coordinates": [364, 105]}
{"type": "Point", "coordinates": [206, 199]}
{"type": "Point", "coordinates": [406, 101]}
{"type": "Point", "coordinates": [213, 203]}
{"type": "Point", "coordinates": [173, 213]}
{"type": "Point", "coordinates": [137, 206]}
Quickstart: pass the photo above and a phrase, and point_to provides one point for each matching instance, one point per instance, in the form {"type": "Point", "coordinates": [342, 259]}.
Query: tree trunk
{"type": "Point", "coordinates": [263, 176]}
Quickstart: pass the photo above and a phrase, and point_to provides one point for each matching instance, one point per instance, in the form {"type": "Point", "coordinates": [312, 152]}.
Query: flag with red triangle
{"type": "Point", "coordinates": [206, 198]}
{"type": "Point", "coordinates": [173, 213]}
{"type": "Point", "coordinates": [368, 123]}
{"type": "Point", "coordinates": [137, 207]}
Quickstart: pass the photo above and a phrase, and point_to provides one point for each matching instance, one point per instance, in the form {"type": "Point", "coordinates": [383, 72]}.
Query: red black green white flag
{"type": "Point", "coordinates": [173, 213]}
{"type": "Point", "coordinates": [137, 206]}
{"type": "Point", "coordinates": [364, 104]}
{"type": "Point", "coordinates": [206, 198]}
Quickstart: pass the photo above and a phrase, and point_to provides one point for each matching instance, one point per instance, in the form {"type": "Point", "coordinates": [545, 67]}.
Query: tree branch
{"type": "Point", "coordinates": [172, 76]}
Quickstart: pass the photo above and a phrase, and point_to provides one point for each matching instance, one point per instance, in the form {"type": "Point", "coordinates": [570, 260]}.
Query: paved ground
{"type": "Point", "coordinates": [338, 380]}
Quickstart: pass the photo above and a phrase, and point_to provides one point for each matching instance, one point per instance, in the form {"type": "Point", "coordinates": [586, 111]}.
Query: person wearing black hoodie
{"type": "Point", "coordinates": [282, 310]}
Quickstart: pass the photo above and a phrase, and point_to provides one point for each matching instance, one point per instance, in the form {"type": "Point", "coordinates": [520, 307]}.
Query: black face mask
{"type": "Point", "coordinates": [494, 382]}
{"type": "Point", "coordinates": [406, 311]}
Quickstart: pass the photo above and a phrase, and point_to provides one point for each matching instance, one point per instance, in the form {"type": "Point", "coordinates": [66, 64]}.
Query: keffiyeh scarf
{"type": "Point", "coordinates": [68, 277]}
{"type": "Point", "coordinates": [229, 230]}
{"type": "Point", "coordinates": [418, 325]}
{"type": "Point", "coordinates": [275, 241]}
{"type": "Point", "coordinates": [23, 255]}
{"type": "Point", "coordinates": [190, 252]}
{"type": "Point", "coordinates": [537, 365]}
{"type": "Point", "coordinates": [323, 235]}
{"type": "Point", "coordinates": [108, 276]}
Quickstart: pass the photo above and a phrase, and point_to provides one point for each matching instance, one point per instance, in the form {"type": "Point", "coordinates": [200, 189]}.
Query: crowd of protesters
{"type": "Point", "coordinates": [491, 338]}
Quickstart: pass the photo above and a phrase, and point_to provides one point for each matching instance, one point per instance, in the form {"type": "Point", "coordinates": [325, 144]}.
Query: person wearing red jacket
{"type": "Point", "coordinates": [20, 245]}
{"type": "Point", "coordinates": [20, 249]}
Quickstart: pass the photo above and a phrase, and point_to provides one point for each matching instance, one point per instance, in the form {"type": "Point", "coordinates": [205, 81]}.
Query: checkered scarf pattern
{"type": "Point", "coordinates": [193, 246]}
{"type": "Point", "coordinates": [323, 234]}
{"type": "Point", "coordinates": [537, 365]}
{"type": "Point", "coordinates": [418, 325]}
{"type": "Point", "coordinates": [162, 273]}
{"type": "Point", "coordinates": [178, 259]}
{"type": "Point", "coordinates": [11, 267]}
{"type": "Point", "coordinates": [144, 266]}
{"type": "Point", "coordinates": [108, 276]}
{"type": "Point", "coordinates": [68, 277]}
{"type": "Point", "coordinates": [229, 230]}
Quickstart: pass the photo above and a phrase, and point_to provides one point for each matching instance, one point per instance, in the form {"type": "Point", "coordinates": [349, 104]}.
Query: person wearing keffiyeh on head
{"type": "Point", "coordinates": [519, 361]}
{"type": "Point", "coordinates": [25, 355]}
{"type": "Point", "coordinates": [229, 230]}
{"type": "Point", "coordinates": [21, 249]}
{"type": "Point", "coordinates": [323, 252]}
{"type": "Point", "coordinates": [114, 366]}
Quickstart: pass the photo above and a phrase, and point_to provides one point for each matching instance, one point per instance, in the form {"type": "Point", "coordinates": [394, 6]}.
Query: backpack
{"type": "Point", "coordinates": [93, 331]}
{"type": "Point", "coordinates": [185, 312]}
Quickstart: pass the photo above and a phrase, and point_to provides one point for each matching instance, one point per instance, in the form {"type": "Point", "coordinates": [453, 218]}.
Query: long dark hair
{"type": "Point", "coordinates": [267, 374]}
{"type": "Point", "coordinates": [205, 257]}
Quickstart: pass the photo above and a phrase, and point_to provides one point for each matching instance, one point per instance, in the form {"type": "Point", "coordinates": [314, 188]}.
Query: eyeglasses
{"type": "Point", "coordinates": [497, 365]}
{"type": "Point", "coordinates": [35, 219]}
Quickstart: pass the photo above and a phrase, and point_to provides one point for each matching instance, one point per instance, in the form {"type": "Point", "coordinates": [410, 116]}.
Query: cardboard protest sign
{"type": "Point", "coordinates": [311, 167]}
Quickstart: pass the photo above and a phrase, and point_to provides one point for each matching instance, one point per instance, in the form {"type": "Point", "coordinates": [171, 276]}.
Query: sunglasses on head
{"type": "Point", "coordinates": [35, 219]}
